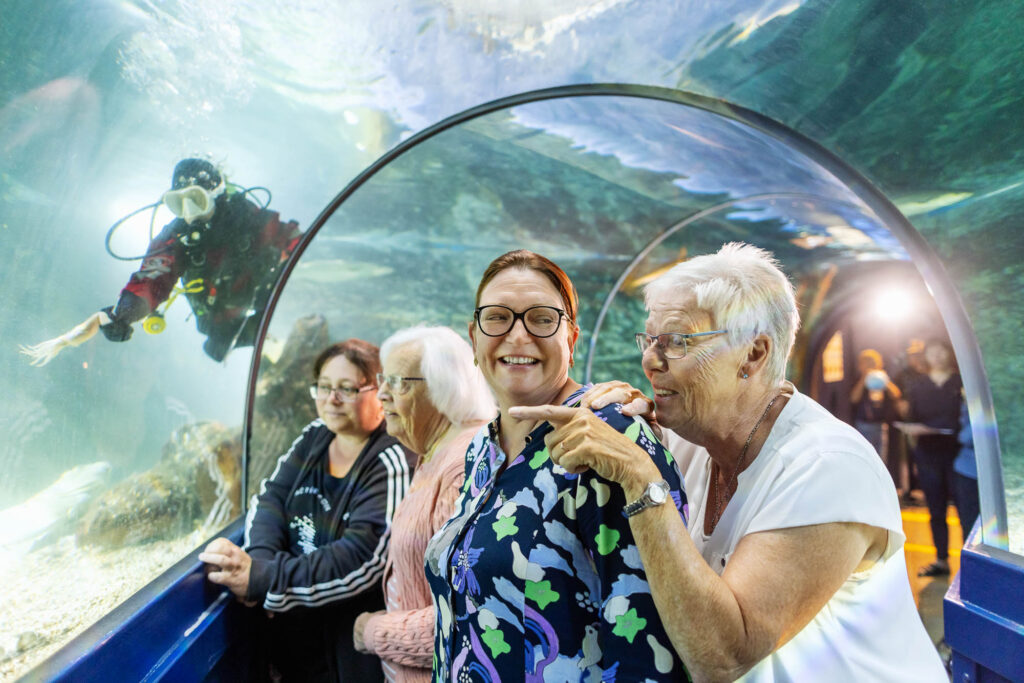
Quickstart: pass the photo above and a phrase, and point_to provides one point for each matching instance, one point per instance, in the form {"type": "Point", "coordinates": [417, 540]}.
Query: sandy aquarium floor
{"type": "Point", "coordinates": [54, 593]}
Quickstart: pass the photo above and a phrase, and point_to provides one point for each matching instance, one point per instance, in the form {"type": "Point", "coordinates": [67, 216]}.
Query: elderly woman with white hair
{"type": "Point", "coordinates": [435, 400]}
{"type": "Point", "coordinates": [792, 568]}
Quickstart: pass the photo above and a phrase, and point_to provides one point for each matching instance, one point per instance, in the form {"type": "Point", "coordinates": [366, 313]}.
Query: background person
{"type": "Point", "coordinates": [434, 401]}
{"type": "Point", "coordinates": [793, 567]}
{"type": "Point", "coordinates": [316, 537]}
{"type": "Point", "coordinates": [910, 364]}
{"type": "Point", "coordinates": [932, 407]}
{"type": "Point", "coordinates": [536, 575]}
{"type": "Point", "coordinates": [875, 403]}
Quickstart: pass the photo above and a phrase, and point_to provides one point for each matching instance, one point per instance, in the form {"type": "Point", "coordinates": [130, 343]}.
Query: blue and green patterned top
{"type": "Point", "coordinates": [537, 571]}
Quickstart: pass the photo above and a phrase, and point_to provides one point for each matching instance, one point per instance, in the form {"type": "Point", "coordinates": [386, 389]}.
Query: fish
{"type": "Point", "coordinates": [50, 513]}
{"type": "Point", "coordinates": [14, 192]}
{"type": "Point", "coordinates": [651, 269]}
{"type": "Point", "coordinates": [922, 203]}
{"type": "Point", "coordinates": [757, 21]}
{"type": "Point", "coordinates": [329, 271]}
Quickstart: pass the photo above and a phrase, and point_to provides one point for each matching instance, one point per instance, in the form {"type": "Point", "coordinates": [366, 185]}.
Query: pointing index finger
{"type": "Point", "coordinates": [558, 415]}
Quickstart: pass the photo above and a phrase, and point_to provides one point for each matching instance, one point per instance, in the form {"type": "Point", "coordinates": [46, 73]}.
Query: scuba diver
{"type": "Point", "coordinates": [224, 248]}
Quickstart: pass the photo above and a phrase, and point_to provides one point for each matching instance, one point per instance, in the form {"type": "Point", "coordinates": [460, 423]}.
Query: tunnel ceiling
{"type": "Point", "coordinates": [585, 193]}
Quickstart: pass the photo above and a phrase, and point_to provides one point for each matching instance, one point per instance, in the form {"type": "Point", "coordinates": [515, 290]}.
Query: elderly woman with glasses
{"type": "Point", "coordinates": [536, 576]}
{"type": "Point", "coordinates": [793, 565]}
{"type": "Point", "coordinates": [434, 401]}
{"type": "Point", "coordinates": [316, 536]}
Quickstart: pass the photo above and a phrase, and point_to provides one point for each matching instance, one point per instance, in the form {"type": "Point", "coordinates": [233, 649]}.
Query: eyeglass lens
{"type": "Point", "coordinates": [396, 383]}
{"type": "Point", "coordinates": [345, 393]}
{"type": "Point", "coordinates": [671, 345]}
{"type": "Point", "coordinates": [540, 321]}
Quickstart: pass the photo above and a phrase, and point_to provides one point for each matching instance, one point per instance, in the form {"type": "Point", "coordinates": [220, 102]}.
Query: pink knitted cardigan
{"type": "Point", "coordinates": [403, 637]}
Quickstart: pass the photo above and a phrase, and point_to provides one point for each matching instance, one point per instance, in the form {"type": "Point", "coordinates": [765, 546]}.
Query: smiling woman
{"type": "Point", "coordinates": [794, 558]}
{"type": "Point", "coordinates": [558, 594]}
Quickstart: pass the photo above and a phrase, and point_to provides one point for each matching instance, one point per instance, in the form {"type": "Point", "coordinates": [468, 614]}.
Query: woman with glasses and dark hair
{"type": "Point", "coordinates": [316, 536]}
{"type": "Point", "coordinates": [434, 401]}
{"type": "Point", "coordinates": [536, 576]}
{"type": "Point", "coordinates": [792, 568]}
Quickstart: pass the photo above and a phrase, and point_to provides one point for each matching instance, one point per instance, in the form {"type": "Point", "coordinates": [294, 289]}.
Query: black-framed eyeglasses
{"type": "Point", "coordinates": [539, 321]}
{"type": "Point", "coordinates": [397, 383]}
{"type": "Point", "coordinates": [671, 344]}
{"type": "Point", "coordinates": [346, 393]}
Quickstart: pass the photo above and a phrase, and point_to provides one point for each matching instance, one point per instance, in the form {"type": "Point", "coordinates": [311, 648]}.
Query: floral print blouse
{"type": "Point", "coordinates": [537, 571]}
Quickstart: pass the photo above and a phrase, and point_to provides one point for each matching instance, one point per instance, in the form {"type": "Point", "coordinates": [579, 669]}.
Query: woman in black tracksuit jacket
{"type": "Point", "coordinates": [316, 536]}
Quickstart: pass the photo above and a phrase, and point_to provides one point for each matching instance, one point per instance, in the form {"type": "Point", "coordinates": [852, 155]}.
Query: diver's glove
{"type": "Point", "coordinates": [130, 308]}
{"type": "Point", "coordinates": [116, 330]}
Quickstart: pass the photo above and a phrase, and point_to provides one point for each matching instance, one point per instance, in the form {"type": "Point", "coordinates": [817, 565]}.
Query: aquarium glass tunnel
{"type": "Point", "coordinates": [391, 151]}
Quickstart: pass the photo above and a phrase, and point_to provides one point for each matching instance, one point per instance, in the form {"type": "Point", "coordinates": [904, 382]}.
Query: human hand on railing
{"type": "Point", "coordinates": [230, 567]}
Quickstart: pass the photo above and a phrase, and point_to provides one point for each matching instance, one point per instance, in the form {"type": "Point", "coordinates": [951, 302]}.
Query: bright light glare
{"type": "Point", "coordinates": [122, 206]}
{"type": "Point", "coordinates": [893, 305]}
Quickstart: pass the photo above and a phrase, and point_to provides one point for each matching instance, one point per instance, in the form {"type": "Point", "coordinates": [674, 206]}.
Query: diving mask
{"type": "Point", "coordinates": [193, 202]}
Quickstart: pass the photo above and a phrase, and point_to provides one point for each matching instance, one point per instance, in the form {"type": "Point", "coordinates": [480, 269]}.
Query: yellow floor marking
{"type": "Point", "coordinates": [909, 516]}
{"type": "Point", "coordinates": [930, 549]}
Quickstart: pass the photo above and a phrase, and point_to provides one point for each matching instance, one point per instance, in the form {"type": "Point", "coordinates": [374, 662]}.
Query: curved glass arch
{"type": "Point", "coordinates": [589, 175]}
{"type": "Point", "coordinates": [764, 205]}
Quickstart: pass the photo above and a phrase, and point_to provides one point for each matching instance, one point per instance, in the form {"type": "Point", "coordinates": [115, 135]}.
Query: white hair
{"type": "Point", "coordinates": [455, 385]}
{"type": "Point", "coordinates": [746, 293]}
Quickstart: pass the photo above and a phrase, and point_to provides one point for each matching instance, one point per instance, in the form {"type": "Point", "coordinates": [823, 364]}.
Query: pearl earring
{"type": "Point", "coordinates": [745, 375]}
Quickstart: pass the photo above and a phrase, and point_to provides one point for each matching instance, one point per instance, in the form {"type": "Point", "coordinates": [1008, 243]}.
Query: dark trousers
{"type": "Point", "coordinates": [934, 458]}
{"type": "Point", "coordinates": [967, 504]}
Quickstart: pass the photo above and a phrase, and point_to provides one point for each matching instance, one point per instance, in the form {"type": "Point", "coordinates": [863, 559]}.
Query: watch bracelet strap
{"type": "Point", "coordinates": [643, 502]}
{"type": "Point", "coordinates": [636, 506]}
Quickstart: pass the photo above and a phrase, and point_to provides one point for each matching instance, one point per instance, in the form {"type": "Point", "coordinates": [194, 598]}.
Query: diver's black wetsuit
{"type": "Point", "coordinates": [235, 255]}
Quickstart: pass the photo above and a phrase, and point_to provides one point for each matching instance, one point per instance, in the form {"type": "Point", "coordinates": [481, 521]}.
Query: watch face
{"type": "Point", "coordinates": [658, 493]}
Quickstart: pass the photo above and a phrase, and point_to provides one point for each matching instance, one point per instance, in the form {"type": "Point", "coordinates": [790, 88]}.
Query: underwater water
{"type": "Point", "coordinates": [119, 458]}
